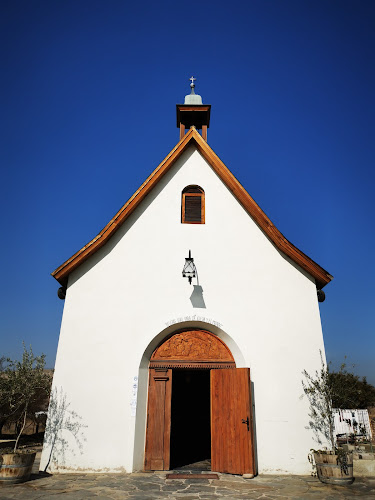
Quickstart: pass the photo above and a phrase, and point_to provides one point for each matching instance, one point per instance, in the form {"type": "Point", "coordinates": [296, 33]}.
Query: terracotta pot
{"type": "Point", "coordinates": [331, 471]}
{"type": "Point", "coordinates": [16, 467]}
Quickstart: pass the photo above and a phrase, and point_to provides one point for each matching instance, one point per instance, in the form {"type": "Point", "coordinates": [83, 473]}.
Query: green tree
{"type": "Point", "coordinates": [358, 392]}
{"type": "Point", "coordinates": [326, 390]}
{"type": "Point", "coordinates": [22, 384]}
{"type": "Point", "coordinates": [318, 391]}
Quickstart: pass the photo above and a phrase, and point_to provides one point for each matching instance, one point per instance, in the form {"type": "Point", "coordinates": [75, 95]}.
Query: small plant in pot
{"type": "Point", "coordinates": [331, 464]}
{"type": "Point", "coordinates": [22, 385]}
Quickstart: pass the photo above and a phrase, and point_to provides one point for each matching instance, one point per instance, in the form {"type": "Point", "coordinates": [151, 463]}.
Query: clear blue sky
{"type": "Point", "coordinates": [85, 84]}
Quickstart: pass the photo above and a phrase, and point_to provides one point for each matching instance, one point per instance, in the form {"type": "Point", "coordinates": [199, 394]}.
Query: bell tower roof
{"type": "Point", "coordinates": [193, 98]}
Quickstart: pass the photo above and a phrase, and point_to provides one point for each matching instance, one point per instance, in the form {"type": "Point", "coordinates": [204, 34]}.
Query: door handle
{"type": "Point", "coordinates": [247, 422]}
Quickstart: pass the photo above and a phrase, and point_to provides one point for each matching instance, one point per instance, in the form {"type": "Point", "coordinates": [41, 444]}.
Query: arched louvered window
{"type": "Point", "coordinates": [192, 205]}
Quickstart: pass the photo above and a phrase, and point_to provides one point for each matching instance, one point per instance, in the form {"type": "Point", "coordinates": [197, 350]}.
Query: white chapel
{"type": "Point", "coordinates": [204, 364]}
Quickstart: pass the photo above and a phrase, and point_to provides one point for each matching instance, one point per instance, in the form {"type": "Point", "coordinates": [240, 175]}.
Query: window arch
{"type": "Point", "coordinates": [192, 209]}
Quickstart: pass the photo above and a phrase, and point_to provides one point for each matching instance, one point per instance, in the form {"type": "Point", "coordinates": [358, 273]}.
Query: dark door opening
{"type": "Point", "coordinates": [190, 417]}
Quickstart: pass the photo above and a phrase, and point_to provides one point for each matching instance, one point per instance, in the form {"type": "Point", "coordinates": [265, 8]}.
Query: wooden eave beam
{"type": "Point", "coordinates": [321, 276]}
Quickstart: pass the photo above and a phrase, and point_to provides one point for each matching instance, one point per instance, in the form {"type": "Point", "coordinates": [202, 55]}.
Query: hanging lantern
{"type": "Point", "coordinates": [189, 271]}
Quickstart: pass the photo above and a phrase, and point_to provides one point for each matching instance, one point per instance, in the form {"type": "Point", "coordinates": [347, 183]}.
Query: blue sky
{"type": "Point", "coordinates": [88, 94]}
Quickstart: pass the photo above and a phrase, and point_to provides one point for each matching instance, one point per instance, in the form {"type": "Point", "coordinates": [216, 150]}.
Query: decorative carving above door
{"type": "Point", "coordinates": [192, 349]}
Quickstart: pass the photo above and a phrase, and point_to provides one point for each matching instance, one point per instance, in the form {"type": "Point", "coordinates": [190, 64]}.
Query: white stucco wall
{"type": "Point", "coordinates": [130, 294]}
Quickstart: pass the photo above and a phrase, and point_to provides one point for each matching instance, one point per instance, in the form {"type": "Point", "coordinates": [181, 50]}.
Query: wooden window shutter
{"type": "Point", "coordinates": [193, 205]}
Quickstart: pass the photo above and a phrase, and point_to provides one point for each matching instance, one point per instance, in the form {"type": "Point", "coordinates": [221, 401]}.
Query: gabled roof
{"type": "Point", "coordinates": [321, 276]}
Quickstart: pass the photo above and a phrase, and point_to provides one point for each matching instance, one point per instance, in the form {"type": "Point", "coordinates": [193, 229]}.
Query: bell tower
{"type": "Point", "coordinates": [193, 113]}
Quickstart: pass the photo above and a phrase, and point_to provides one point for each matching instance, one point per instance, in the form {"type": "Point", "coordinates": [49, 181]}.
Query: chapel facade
{"type": "Point", "coordinates": [202, 362]}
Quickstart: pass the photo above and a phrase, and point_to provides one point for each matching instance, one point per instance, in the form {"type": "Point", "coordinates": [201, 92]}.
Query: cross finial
{"type": "Point", "coordinates": [193, 98]}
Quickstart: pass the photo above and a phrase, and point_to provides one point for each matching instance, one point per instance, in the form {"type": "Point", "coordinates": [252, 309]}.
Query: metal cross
{"type": "Point", "coordinates": [192, 80]}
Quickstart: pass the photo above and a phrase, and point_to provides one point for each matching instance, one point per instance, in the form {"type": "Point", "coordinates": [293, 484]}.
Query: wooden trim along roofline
{"type": "Point", "coordinates": [321, 276]}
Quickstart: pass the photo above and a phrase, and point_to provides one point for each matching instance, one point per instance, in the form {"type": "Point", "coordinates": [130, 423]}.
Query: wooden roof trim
{"type": "Point", "coordinates": [62, 272]}
{"type": "Point", "coordinates": [321, 276]}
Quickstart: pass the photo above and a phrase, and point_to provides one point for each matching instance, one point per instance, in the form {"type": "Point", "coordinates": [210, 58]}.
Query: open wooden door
{"type": "Point", "coordinates": [185, 349]}
{"type": "Point", "coordinates": [158, 431]}
{"type": "Point", "coordinates": [232, 447]}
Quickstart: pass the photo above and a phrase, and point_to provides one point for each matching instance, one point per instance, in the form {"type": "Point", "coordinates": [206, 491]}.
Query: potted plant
{"type": "Point", "coordinates": [22, 385]}
{"type": "Point", "coordinates": [333, 465]}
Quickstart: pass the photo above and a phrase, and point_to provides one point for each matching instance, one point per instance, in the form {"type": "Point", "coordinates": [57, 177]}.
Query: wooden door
{"type": "Point", "coordinates": [158, 431]}
{"type": "Point", "coordinates": [232, 447]}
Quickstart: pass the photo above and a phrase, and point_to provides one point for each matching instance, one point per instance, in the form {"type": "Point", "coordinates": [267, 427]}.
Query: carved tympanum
{"type": "Point", "coordinates": [196, 345]}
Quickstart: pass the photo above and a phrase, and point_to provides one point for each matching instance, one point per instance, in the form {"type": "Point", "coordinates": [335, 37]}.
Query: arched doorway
{"type": "Point", "coordinates": [199, 405]}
